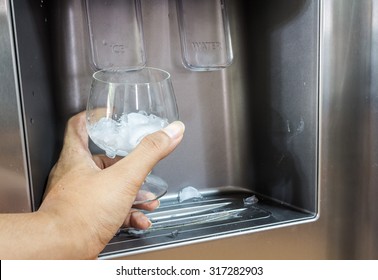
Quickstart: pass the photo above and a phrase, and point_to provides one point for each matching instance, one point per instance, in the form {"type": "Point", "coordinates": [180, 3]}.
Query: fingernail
{"type": "Point", "coordinates": [143, 221]}
{"type": "Point", "coordinates": [149, 223]}
{"type": "Point", "coordinates": [175, 129]}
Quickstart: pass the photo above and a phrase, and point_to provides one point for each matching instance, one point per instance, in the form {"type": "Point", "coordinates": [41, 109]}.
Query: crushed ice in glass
{"type": "Point", "coordinates": [119, 137]}
{"type": "Point", "coordinates": [189, 193]}
{"type": "Point", "coordinates": [250, 200]}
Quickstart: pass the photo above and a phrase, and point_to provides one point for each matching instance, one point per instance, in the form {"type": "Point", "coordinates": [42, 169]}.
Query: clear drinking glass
{"type": "Point", "coordinates": [126, 105]}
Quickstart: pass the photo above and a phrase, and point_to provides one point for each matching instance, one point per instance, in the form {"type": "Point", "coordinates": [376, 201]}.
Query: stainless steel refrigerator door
{"type": "Point", "coordinates": [14, 185]}
{"type": "Point", "coordinates": [349, 127]}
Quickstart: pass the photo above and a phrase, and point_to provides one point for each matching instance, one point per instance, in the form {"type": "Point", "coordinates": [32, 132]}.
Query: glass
{"type": "Point", "coordinates": [126, 105]}
{"type": "Point", "coordinates": [116, 33]}
{"type": "Point", "coordinates": [204, 34]}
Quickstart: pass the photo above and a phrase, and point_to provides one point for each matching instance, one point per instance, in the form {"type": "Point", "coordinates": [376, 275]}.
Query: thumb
{"type": "Point", "coordinates": [131, 171]}
{"type": "Point", "coordinates": [75, 145]}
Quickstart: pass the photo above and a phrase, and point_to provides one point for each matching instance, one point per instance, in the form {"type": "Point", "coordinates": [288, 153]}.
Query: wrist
{"type": "Point", "coordinates": [66, 237]}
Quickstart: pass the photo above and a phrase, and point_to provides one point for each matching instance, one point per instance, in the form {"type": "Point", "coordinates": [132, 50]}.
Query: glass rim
{"type": "Point", "coordinates": [95, 75]}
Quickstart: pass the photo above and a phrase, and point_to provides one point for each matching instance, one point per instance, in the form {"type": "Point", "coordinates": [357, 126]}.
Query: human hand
{"type": "Point", "coordinates": [90, 198]}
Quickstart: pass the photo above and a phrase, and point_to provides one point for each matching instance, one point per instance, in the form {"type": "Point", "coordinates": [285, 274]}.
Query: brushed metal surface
{"type": "Point", "coordinates": [14, 185]}
{"type": "Point", "coordinates": [349, 152]}
{"type": "Point", "coordinates": [214, 216]}
{"type": "Point", "coordinates": [31, 30]}
{"type": "Point", "coordinates": [348, 213]}
{"type": "Point", "coordinates": [253, 125]}
{"type": "Point", "coordinates": [232, 116]}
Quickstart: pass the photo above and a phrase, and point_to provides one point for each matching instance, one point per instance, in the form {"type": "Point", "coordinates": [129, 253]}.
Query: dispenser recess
{"type": "Point", "coordinates": [251, 141]}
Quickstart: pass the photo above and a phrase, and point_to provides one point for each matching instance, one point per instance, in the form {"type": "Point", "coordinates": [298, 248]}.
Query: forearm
{"type": "Point", "coordinates": [39, 236]}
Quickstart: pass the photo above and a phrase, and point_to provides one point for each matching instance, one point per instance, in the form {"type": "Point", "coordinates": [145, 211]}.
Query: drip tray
{"type": "Point", "coordinates": [209, 217]}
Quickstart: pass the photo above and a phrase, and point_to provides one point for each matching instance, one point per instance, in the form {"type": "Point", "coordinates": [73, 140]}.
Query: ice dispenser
{"type": "Point", "coordinates": [245, 76]}
{"type": "Point", "coordinates": [115, 34]}
{"type": "Point", "coordinates": [205, 34]}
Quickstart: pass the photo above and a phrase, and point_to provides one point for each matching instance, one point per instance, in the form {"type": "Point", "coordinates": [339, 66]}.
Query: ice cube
{"type": "Point", "coordinates": [156, 121]}
{"type": "Point", "coordinates": [135, 119]}
{"type": "Point", "coordinates": [104, 126]}
{"type": "Point", "coordinates": [138, 132]}
{"type": "Point", "coordinates": [142, 112]}
{"type": "Point", "coordinates": [102, 133]}
{"type": "Point", "coordinates": [137, 232]}
{"type": "Point", "coordinates": [124, 119]}
{"type": "Point", "coordinates": [140, 126]}
{"type": "Point", "coordinates": [250, 200]}
{"type": "Point", "coordinates": [188, 193]}
{"type": "Point", "coordinates": [110, 153]}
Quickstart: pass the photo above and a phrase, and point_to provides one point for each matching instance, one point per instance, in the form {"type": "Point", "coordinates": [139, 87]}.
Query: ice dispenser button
{"type": "Point", "coordinates": [205, 35]}
{"type": "Point", "coordinates": [116, 33]}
